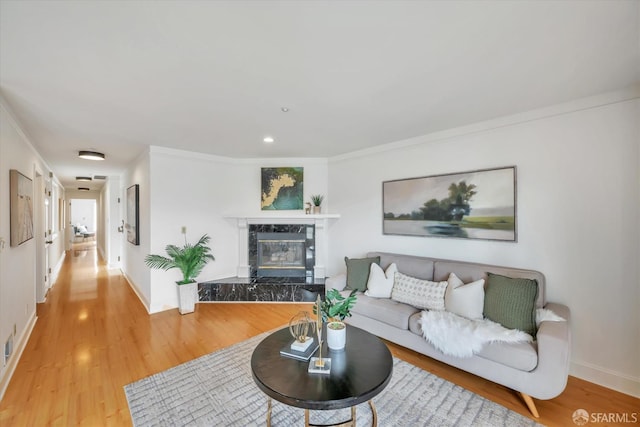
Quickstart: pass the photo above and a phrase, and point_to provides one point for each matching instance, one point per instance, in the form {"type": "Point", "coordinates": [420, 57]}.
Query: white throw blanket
{"type": "Point", "coordinates": [460, 337]}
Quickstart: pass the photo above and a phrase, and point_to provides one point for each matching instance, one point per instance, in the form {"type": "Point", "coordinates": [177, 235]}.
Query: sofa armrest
{"type": "Point", "coordinates": [338, 282]}
{"type": "Point", "coordinates": [554, 348]}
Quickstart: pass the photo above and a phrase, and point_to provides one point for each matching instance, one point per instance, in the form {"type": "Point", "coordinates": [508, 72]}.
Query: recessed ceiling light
{"type": "Point", "coordinates": [90, 155]}
{"type": "Point", "coordinates": [83, 188]}
{"type": "Point", "coordinates": [83, 178]}
{"type": "Point", "coordinates": [268, 139]}
{"type": "Point", "coordinates": [284, 109]}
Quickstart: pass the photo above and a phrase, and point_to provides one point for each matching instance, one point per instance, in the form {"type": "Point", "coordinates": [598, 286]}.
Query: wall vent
{"type": "Point", "coordinates": [8, 349]}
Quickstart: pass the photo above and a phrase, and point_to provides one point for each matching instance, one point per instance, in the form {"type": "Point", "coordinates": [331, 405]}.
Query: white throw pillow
{"type": "Point", "coordinates": [419, 293]}
{"type": "Point", "coordinates": [380, 282]}
{"type": "Point", "coordinates": [465, 300]}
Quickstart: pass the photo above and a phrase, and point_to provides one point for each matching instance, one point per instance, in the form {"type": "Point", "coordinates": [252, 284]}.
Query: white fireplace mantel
{"type": "Point", "coordinates": [320, 221]}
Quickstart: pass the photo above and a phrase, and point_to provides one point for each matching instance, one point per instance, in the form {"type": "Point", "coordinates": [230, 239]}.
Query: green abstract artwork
{"type": "Point", "coordinates": [282, 188]}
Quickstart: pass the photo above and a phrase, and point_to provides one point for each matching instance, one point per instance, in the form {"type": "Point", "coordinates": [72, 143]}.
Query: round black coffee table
{"type": "Point", "coordinates": [358, 373]}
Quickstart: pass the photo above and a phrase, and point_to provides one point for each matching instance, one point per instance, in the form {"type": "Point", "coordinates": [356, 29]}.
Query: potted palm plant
{"type": "Point", "coordinates": [335, 308]}
{"type": "Point", "coordinates": [190, 259]}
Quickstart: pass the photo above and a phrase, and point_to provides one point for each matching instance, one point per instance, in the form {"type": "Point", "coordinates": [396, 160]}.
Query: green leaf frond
{"type": "Point", "coordinates": [190, 259]}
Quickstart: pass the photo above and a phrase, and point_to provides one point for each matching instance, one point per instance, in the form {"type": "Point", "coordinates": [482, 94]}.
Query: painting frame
{"type": "Point", "coordinates": [21, 208]}
{"type": "Point", "coordinates": [282, 188]}
{"type": "Point", "coordinates": [132, 222]}
{"type": "Point", "coordinates": [475, 205]}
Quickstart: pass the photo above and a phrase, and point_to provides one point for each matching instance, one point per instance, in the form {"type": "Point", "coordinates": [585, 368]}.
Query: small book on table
{"type": "Point", "coordinates": [287, 351]}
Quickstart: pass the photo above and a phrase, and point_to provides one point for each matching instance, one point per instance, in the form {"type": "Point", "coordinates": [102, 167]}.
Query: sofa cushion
{"type": "Point", "coordinates": [380, 282]}
{"type": "Point", "coordinates": [419, 293]}
{"type": "Point", "coordinates": [384, 310]}
{"type": "Point", "coordinates": [358, 272]}
{"type": "Point", "coordinates": [522, 355]}
{"type": "Point", "coordinates": [511, 302]}
{"type": "Point", "coordinates": [464, 300]}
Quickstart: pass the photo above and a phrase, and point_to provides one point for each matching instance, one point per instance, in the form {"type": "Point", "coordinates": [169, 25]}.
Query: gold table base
{"type": "Point", "coordinates": [348, 423]}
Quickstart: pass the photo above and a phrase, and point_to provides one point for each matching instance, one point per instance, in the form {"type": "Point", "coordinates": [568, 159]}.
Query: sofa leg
{"type": "Point", "coordinates": [530, 404]}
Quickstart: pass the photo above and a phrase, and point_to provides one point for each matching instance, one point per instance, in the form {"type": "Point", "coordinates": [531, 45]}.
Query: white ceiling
{"type": "Point", "coordinates": [212, 76]}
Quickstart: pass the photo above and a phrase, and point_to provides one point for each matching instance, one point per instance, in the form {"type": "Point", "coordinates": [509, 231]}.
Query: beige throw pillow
{"type": "Point", "coordinates": [380, 282]}
{"type": "Point", "coordinates": [465, 300]}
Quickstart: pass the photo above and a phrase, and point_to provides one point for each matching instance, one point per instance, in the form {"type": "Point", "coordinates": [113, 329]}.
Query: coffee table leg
{"type": "Point", "coordinates": [268, 412]}
{"type": "Point", "coordinates": [348, 423]}
{"type": "Point", "coordinates": [374, 414]}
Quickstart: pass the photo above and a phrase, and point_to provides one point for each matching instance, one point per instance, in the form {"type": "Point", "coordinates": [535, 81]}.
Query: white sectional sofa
{"type": "Point", "coordinates": [537, 369]}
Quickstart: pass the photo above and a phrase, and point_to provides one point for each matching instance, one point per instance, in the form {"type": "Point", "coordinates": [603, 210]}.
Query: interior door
{"type": "Point", "coordinates": [42, 257]}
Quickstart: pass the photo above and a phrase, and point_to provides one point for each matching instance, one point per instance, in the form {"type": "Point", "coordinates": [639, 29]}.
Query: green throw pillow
{"type": "Point", "coordinates": [511, 302]}
{"type": "Point", "coordinates": [358, 272]}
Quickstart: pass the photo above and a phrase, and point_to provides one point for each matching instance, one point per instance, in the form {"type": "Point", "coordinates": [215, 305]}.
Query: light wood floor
{"type": "Point", "coordinates": [93, 336]}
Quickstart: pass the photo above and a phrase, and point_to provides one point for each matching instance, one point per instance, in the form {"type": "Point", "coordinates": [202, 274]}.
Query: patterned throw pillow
{"type": "Point", "coordinates": [419, 293]}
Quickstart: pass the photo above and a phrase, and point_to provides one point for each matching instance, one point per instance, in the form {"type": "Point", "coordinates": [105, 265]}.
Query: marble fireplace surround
{"type": "Point", "coordinates": [321, 222]}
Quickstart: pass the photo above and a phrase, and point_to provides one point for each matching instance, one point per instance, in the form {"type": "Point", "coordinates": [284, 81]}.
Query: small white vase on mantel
{"type": "Point", "coordinates": [336, 335]}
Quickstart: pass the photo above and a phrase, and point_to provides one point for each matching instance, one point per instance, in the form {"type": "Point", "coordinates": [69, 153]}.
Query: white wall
{"type": "Point", "coordinates": [18, 264]}
{"type": "Point", "coordinates": [133, 256]}
{"type": "Point", "coordinates": [577, 212]}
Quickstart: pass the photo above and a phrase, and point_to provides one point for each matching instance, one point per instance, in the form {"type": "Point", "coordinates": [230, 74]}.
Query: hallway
{"type": "Point", "coordinates": [93, 336]}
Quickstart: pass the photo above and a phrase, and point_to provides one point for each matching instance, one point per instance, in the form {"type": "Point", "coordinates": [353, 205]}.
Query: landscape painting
{"type": "Point", "coordinates": [282, 188]}
{"type": "Point", "coordinates": [470, 205]}
{"type": "Point", "coordinates": [21, 208]}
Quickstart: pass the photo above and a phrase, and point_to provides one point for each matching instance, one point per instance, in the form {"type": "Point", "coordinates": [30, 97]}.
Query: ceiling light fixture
{"type": "Point", "coordinates": [83, 188]}
{"type": "Point", "coordinates": [90, 155]}
{"type": "Point", "coordinates": [268, 139]}
{"type": "Point", "coordinates": [284, 109]}
{"type": "Point", "coordinates": [83, 178]}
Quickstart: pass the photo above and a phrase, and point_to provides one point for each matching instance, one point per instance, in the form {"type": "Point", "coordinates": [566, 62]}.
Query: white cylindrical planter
{"type": "Point", "coordinates": [187, 295]}
{"type": "Point", "coordinates": [336, 335]}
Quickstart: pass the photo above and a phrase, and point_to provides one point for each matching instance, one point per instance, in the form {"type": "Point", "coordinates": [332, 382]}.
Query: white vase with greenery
{"type": "Point", "coordinates": [335, 308]}
{"type": "Point", "coordinates": [316, 200]}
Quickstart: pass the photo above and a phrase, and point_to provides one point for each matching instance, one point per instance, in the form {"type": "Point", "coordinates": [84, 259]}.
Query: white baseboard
{"type": "Point", "coordinates": [17, 354]}
{"type": "Point", "coordinates": [57, 268]}
{"type": "Point", "coordinates": [144, 302]}
{"type": "Point", "coordinates": [606, 378]}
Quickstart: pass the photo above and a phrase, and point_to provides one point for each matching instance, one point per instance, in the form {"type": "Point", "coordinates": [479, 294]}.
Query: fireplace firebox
{"type": "Point", "coordinates": [282, 250]}
{"type": "Point", "coordinates": [281, 255]}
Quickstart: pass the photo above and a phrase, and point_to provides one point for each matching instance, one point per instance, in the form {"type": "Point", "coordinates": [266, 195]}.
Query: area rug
{"type": "Point", "coordinates": [217, 390]}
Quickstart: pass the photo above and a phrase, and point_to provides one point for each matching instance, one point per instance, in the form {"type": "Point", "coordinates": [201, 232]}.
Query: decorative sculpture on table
{"type": "Point", "coordinates": [299, 328]}
{"type": "Point", "coordinates": [319, 365]}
